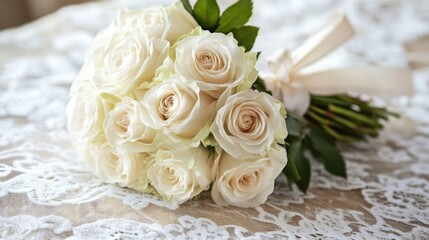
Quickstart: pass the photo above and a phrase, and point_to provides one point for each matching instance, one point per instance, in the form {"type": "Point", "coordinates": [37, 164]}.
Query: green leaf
{"type": "Point", "coordinates": [291, 171]}
{"type": "Point", "coordinates": [187, 6]}
{"type": "Point", "coordinates": [235, 16]}
{"type": "Point", "coordinates": [296, 154]}
{"type": "Point", "coordinates": [206, 12]}
{"type": "Point", "coordinates": [259, 85]}
{"type": "Point", "coordinates": [294, 127]}
{"type": "Point", "coordinates": [246, 36]}
{"type": "Point", "coordinates": [324, 148]}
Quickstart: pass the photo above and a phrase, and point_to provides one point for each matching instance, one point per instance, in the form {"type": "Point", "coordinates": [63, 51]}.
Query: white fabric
{"type": "Point", "coordinates": [45, 194]}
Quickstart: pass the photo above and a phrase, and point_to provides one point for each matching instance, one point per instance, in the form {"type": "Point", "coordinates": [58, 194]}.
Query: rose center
{"type": "Point", "coordinates": [210, 61]}
{"type": "Point", "coordinates": [167, 106]}
{"type": "Point", "coordinates": [123, 123]}
{"type": "Point", "coordinates": [150, 20]}
{"type": "Point", "coordinates": [169, 176]}
{"type": "Point", "coordinates": [248, 120]}
{"type": "Point", "coordinates": [113, 162]}
{"type": "Point", "coordinates": [248, 179]}
{"type": "Point", "coordinates": [124, 56]}
{"type": "Point", "coordinates": [172, 175]}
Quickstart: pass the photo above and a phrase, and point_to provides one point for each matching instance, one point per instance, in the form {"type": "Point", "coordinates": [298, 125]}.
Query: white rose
{"type": "Point", "coordinates": [180, 109]}
{"type": "Point", "coordinates": [128, 170]}
{"type": "Point", "coordinates": [214, 61]}
{"type": "Point", "coordinates": [249, 123]}
{"type": "Point", "coordinates": [157, 21]}
{"type": "Point", "coordinates": [85, 111]}
{"type": "Point", "coordinates": [121, 60]}
{"type": "Point", "coordinates": [127, 129]}
{"type": "Point", "coordinates": [179, 175]}
{"type": "Point", "coordinates": [249, 182]}
{"type": "Point", "coordinates": [181, 21]}
{"type": "Point", "coordinates": [152, 20]}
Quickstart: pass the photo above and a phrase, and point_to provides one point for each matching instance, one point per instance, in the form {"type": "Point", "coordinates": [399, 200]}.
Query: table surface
{"type": "Point", "coordinates": [44, 194]}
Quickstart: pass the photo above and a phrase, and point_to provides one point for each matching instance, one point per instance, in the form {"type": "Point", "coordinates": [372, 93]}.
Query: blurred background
{"type": "Point", "coordinates": [17, 12]}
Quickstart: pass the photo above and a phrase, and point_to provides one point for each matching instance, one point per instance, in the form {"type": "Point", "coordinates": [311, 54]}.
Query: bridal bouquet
{"type": "Point", "coordinates": [169, 102]}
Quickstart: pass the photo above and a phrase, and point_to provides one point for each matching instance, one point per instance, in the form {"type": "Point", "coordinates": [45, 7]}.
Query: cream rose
{"type": "Point", "coordinates": [179, 108]}
{"type": "Point", "coordinates": [214, 61]}
{"type": "Point", "coordinates": [85, 111]}
{"type": "Point", "coordinates": [122, 60]}
{"type": "Point", "coordinates": [249, 123]}
{"type": "Point", "coordinates": [127, 127]}
{"type": "Point", "coordinates": [249, 182]}
{"type": "Point", "coordinates": [179, 175]}
{"type": "Point", "coordinates": [160, 22]}
{"type": "Point", "coordinates": [128, 170]}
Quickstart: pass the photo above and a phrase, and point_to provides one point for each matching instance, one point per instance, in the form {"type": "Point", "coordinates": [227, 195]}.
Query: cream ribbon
{"type": "Point", "coordinates": [293, 86]}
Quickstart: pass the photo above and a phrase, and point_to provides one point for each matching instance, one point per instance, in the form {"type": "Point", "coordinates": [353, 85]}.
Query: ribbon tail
{"type": "Point", "coordinates": [418, 53]}
{"type": "Point", "coordinates": [333, 34]}
{"type": "Point", "coordinates": [375, 81]}
{"type": "Point", "coordinates": [418, 60]}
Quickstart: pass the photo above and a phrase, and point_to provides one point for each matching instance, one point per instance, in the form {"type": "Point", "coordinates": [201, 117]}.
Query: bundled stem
{"type": "Point", "coordinates": [346, 118]}
{"type": "Point", "coordinates": [329, 119]}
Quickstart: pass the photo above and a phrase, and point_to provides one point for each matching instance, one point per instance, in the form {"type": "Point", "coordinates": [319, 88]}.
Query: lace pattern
{"type": "Point", "coordinates": [386, 195]}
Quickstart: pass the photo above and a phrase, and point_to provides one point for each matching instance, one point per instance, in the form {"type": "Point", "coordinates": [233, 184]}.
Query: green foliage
{"type": "Point", "coordinates": [329, 119]}
{"type": "Point", "coordinates": [246, 36]}
{"type": "Point", "coordinates": [346, 118]}
{"type": "Point", "coordinates": [302, 165]}
{"type": "Point", "coordinates": [295, 125]}
{"type": "Point", "coordinates": [187, 6]}
{"type": "Point", "coordinates": [235, 16]}
{"type": "Point", "coordinates": [206, 13]}
{"type": "Point", "coordinates": [259, 85]}
{"type": "Point", "coordinates": [324, 149]}
{"type": "Point", "coordinates": [291, 172]}
{"type": "Point", "coordinates": [232, 20]}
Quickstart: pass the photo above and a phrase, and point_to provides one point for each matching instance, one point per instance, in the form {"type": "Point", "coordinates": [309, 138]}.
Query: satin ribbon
{"type": "Point", "coordinates": [291, 84]}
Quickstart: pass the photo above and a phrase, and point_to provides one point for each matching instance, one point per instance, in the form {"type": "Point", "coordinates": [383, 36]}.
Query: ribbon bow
{"type": "Point", "coordinates": [293, 86]}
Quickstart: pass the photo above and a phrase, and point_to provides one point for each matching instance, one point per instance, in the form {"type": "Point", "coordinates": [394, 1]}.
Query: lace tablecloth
{"type": "Point", "coordinates": [44, 194]}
